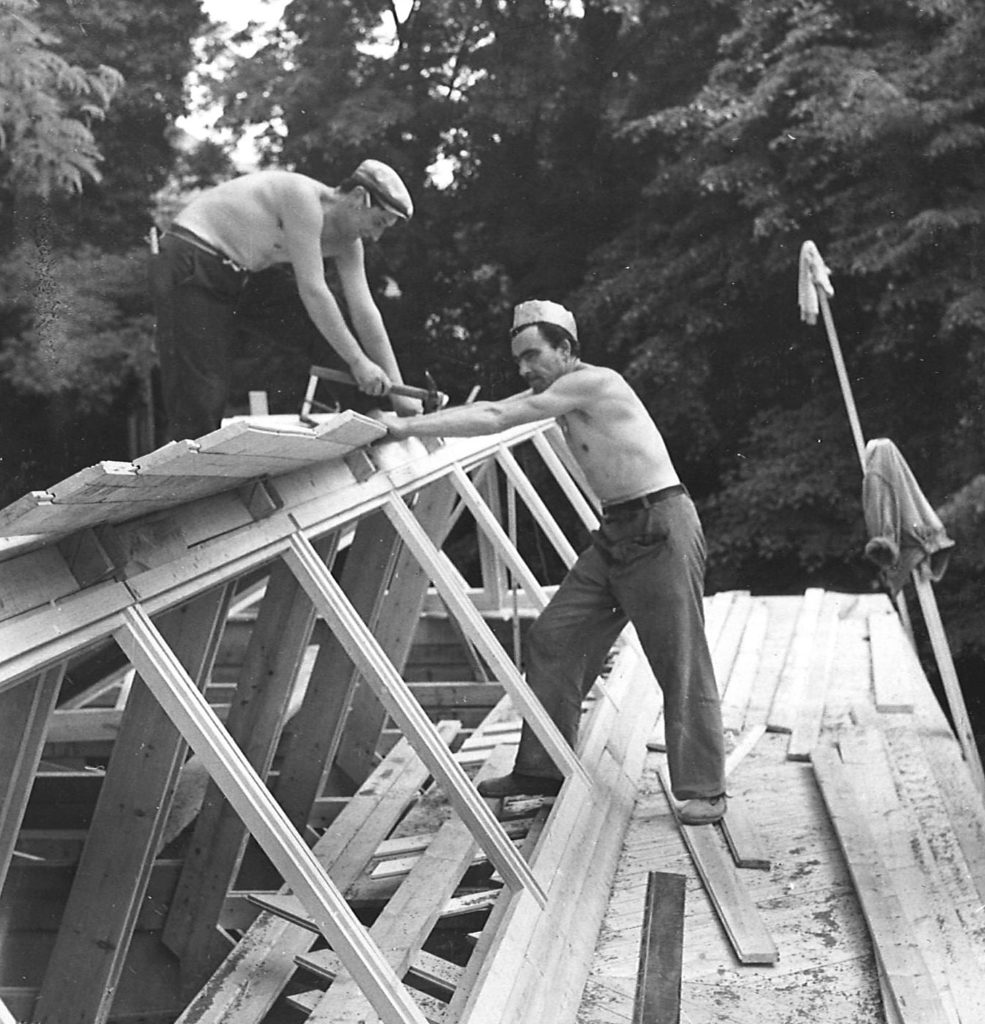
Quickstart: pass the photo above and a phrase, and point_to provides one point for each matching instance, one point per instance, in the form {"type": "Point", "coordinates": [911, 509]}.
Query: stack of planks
{"type": "Point", "coordinates": [875, 837]}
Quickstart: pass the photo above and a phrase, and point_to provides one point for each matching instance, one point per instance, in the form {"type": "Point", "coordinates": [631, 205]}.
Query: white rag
{"type": "Point", "coordinates": [813, 275]}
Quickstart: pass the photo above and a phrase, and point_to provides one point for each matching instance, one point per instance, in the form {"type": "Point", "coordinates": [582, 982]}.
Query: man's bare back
{"type": "Point", "coordinates": [247, 217]}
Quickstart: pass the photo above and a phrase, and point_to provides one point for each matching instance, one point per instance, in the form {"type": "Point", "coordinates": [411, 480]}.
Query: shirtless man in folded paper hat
{"type": "Point", "coordinates": [224, 240]}
{"type": "Point", "coordinates": [645, 565]}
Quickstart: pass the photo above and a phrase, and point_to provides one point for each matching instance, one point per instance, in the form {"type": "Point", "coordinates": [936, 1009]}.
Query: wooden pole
{"type": "Point", "coordinates": [925, 592]}
{"type": "Point", "coordinates": [949, 677]}
{"type": "Point", "coordinates": [846, 387]}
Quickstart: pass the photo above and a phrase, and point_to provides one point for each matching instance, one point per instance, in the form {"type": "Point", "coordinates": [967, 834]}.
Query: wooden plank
{"type": "Point", "coordinates": [394, 617]}
{"type": "Point", "coordinates": [566, 481]}
{"type": "Point", "coordinates": [432, 1007]}
{"type": "Point", "coordinates": [43, 636]}
{"type": "Point", "coordinates": [555, 438]}
{"type": "Point", "coordinates": [564, 975]}
{"type": "Point", "coordinates": [742, 837]}
{"type": "Point", "coordinates": [907, 974]}
{"type": "Point", "coordinates": [909, 860]}
{"type": "Point", "coordinates": [716, 611]}
{"type": "Point", "coordinates": [726, 646]}
{"type": "Point", "coordinates": [406, 921]}
{"type": "Point", "coordinates": [658, 981]}
{"type": "Point", "coordinates": [949, 677]}
{"type": "Point", "coordinates": [533, 501]}
{"type": "Point", "coordinates": [936, 785]}
{"type": "Point", "coordinates": [273, 659]}
{"type": "Point", "coordinates": [743, 746]}
{"type": "Point", "coordinates": [15, 513]}
{"type": "Point", "coordinates": [251, 979]}
{"type": "Point", "coordinates": [806, 726]}
{"type": "Point", "coordinates": [524, 955]}
{"type": "Point", "coordinates": [437, 567]}
{"type": "Point", "coordinates": [24, 713]}
{"type": "Point", "coordinates": [34, 579]}
{"type": "Point", "coordinates": [111, 880]}
{"type": "Point", "coordinates": [738, 688]}
{"type": "Point", "coordinates": [323, 963]}
{"type": "Point", "coordinates": [796, 668]}
{"type": "Point", "coordinates": [494, 582]}
{"type": "Point", "coordinates": [324, 723]}
{"type": "Point", "coordinates": [490, 527]}
{"type": "Point", "coordinates": [750, 940]}
{"type": "Point", "coordinates": [365, 652]}
{"type": "Point", "coordinates": [250, 797]}
{"type": "Point", "coordinates": [895, 668]}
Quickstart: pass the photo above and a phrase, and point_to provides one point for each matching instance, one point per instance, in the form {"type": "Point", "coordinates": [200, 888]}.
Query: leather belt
{"type": "Point", "coordinates": [192, 239]}
{"type": "Point", "coordinates": [644, 501]}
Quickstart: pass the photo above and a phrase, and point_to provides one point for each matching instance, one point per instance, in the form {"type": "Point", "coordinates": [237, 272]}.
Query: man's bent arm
{"type": "Point", "coordinates": [302, 218]}
{"type": "Point", "coordinates": [364, 313]}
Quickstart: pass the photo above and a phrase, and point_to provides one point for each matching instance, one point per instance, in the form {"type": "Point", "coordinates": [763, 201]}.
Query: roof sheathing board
{"type": "Point", "coordinates": [182, 471]}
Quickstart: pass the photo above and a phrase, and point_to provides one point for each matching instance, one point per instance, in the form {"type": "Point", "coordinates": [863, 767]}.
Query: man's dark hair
{"type": "Point", "coordinates": [555, 336]}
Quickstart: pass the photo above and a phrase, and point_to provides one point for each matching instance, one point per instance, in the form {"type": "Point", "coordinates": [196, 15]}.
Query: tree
{"type": "Point", "coordinates": [153, 46]}
{"type": "Point", "coordinates": [75, 324]}
{"type": "Point", "coordinates": [858, 126]}
{"type": "Point", "coordinates": [47, 108]}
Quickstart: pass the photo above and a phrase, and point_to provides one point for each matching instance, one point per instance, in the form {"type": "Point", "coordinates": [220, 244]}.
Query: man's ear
{"type": "Point", "coordinates": [360, 197]}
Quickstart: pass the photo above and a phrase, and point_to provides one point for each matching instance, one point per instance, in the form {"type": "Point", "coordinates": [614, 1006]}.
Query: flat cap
{"type": "Point", "coordinates": [384, 185]}
{"type": "Point", "coordinates": [543, 311]}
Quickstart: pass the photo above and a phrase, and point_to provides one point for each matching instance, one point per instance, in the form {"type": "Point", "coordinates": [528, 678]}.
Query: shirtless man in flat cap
{"type": "Point", "coordinates": [234, 231]}
{"type": "Point", "coordinates": [645, 565]}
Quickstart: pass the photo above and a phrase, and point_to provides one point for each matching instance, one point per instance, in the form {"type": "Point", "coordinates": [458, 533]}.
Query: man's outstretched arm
{"type": "Point", "coordinates": [493, 417]}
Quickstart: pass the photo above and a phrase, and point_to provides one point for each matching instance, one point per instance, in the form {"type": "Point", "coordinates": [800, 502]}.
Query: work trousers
{"type": "Point", "coordinates": [195, 296]}
{"type": "Point", "coordinates": [644, 567]}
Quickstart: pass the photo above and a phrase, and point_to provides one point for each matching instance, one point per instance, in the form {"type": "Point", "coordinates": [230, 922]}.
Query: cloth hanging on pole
{"type": "Point", "coordinates": [905, 533]}
{"type": "Point", "coordinates": [813, 274]}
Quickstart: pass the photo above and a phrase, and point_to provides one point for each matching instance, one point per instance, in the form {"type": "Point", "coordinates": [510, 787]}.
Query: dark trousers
{"type": "Point", "coordinates": [647, 568]}
{"type": "Point", "coordinates": [195, 301]}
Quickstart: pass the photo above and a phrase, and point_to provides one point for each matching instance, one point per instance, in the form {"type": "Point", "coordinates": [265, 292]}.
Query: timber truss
{"type": "Point", "coordinates": [150, 556]}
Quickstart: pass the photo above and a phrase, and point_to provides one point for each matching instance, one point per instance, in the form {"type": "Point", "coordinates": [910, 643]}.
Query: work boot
{"type": "Point", "coordinates": [517, 784]}
{"type": "Point", "coordinates": [703, 810]}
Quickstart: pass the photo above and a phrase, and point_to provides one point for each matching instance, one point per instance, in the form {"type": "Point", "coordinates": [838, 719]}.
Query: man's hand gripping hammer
{"type": "Point", "coordinates": [430, 397]}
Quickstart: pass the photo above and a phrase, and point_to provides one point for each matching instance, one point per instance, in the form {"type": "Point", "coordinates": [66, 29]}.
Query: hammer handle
{"type": "Point", "coordinates": [405, 390]}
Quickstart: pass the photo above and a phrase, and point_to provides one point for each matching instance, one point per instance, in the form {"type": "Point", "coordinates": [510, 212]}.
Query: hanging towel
{"type": "Point", "coordinates": [904, 530]}
{"type": "Point", "coordinates": [812, 272]}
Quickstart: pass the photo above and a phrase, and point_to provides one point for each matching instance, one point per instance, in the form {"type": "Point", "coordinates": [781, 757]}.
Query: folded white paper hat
{"type": "Point", "coordinates": [543, 311]}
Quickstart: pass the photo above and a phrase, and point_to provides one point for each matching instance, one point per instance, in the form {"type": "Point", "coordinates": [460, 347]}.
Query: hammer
{"type": "Point", "coordinates": [431, 398]}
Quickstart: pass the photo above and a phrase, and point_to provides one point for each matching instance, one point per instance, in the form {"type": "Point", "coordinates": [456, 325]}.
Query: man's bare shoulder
{"type": "Point", "coordinates": [591, 382]}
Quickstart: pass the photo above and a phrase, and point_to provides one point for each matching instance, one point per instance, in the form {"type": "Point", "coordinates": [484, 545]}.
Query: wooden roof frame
{"type": "Point", "coordinates": [65, 592]}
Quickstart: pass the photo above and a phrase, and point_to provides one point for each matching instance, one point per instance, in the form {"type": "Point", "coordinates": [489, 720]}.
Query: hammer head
{"type": "Point", "coordinates": [435, 400]}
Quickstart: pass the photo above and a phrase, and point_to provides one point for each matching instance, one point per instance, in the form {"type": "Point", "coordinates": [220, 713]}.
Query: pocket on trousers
{"type": "Point", "coordinates": [625, 551]}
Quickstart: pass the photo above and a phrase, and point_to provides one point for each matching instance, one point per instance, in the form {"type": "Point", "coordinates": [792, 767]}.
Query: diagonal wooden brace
{"type": "Point", "coordinates": [167, 679]}
{"type": "Point", "coordinates": [396, 696]}
{"type": "Point", "coordinates": [443, 575]}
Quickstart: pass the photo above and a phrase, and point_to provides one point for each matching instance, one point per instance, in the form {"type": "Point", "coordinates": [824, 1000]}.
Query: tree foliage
{"type": "Point", "coordinates": [47, 108]}
{"type": "Point", "coordinates": [858, 126]}
{"type": "Point", "coordinates": [85, 149]}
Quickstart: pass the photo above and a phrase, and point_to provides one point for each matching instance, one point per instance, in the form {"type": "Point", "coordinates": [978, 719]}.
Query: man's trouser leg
{"type": "Point", "coordinates": [195, 301]}
{"type": "Point", "coordinates": [566, 649]}
{"type": "Point", "coordinates": [657, 575]}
